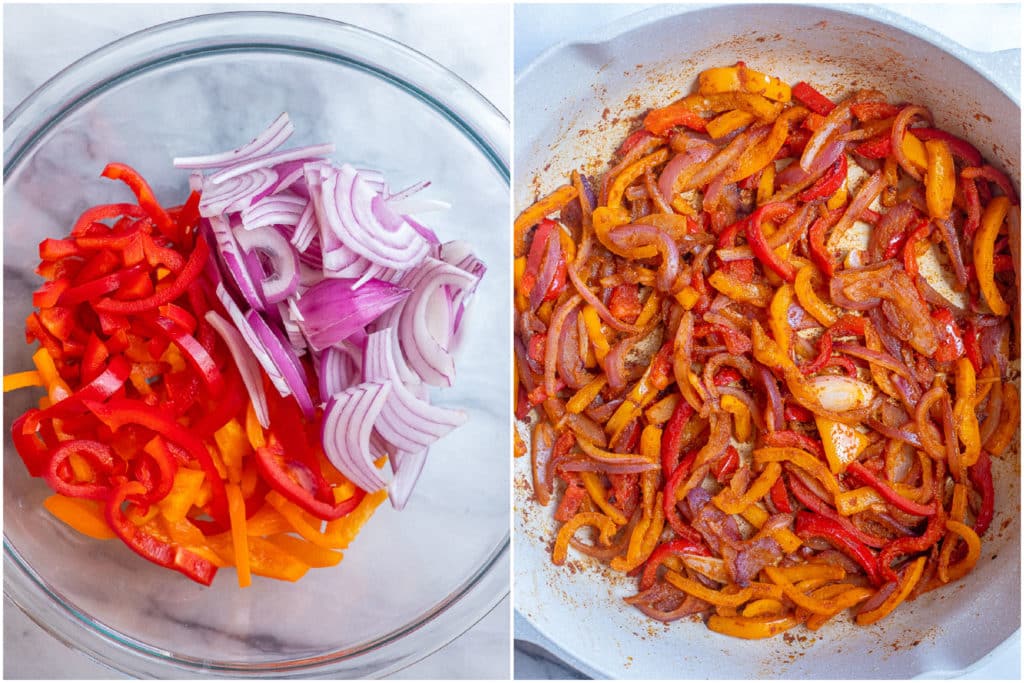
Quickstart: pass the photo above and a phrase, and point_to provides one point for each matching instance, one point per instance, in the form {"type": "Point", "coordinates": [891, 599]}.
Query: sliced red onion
{"type": "Point", "coordinates": [235, 194]}
{"type": "Point", "coordinates": [426, 351]}
{"type": "Point", "coordinates": [415, 188]}
{"type": "Point", "coordinates": [408, 421]}
{"type": "Point", "coordinates": [332, 310]}
{"type": "Point", "coordinates": [305, 228]}
{"type": "Point", "coordinates": [424, 231]}
{"type": "Point", "coordinates": [407, 468]}
{"type": "Point", "coordinates": [273, 137]}
{"type": "Point", "coordinates": [348, 422]}
{"type": "Point", "coordinates": [247, 364]}
{"type": "Point", "coordinates": [319, 253]}
{"type": "Point", "coordinates": [253, 340]}
{"type": "Point", "coordinates": [288, 173]}
{"type": "Point", "coordinates": [340, 368]}
{"type": "Point", "coordinates": [267, 160]}
{"type": "Point", "coordinates": [363, 222]}
{"type": "Point", "coordinates": [234, 263]}
{"type": "Point", "coordinates": [284, 360]}
{"type": "Point", "coordinates": [278, 209]}
{"type": "Point", "coordinates": [284, 277]}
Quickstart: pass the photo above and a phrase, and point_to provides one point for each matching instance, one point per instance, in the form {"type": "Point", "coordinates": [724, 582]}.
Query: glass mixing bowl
{"type": "Point", "coordinates": [412, 581]}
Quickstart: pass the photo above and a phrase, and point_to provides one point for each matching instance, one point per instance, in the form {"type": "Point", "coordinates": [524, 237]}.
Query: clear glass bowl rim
{"type": "Point", "coordinates": [253, 31]}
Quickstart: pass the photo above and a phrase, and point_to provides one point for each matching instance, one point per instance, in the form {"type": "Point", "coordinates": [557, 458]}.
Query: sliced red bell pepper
{"type": "Point", "coordinates": [679, 546]}
{"type": "Point", "coordinates": [780, 496]}
{"type": "Point", "coordinates": [972, 346]}
{"type": "Point", "coordinates": [727, 465]}
{"type": "Point", "coordinates": [290, 478]}
{"type": "Point", "coordinates": [634, 139]}
{"type": "Point", "coordinates": [918, 234]}
{"type": "Point", "coordinates": [535, 257]}
{"type": "Point", "coordinates": [727, 376]}
{"type": "Point", "coordinates": [50, 292]}
{"type": "Point", "coordinates": [811, 525]}
{"type": "Point", "coordinates": [192, 269]}
{"type": "Point", "coordinates": [873, 111]}
{"type": "Point", "coordinates": [108, 383]}
{"type": "Point", "coordinates": [668, 499]}
{"type": "Point", "coordinates": [876, 148]}
{"type": "Point", "coordinates": [951, 342]}
{"type": "Point", "coordinates": [119, 412]}
{"type": "Point", "coordinates": [827, 185]}
{"type": "Point", "coordinates": [194, 353]}
{"type": "Point", "coordinates": [104, 212]}
{"type": "Point", "coordinates": [787, 438]}
{"type": "Point", "coordinates": [624, 302]}
{"type": "Point", "coordinates": [661, 121]}
{"type": "Point", "coordinates": [535, 348]}
{"type": "Point", "coordinates": [34, 451]}
{"type": "Point", "coordinates": [796, 413]}
{"type": "Point", "coordinates": [147, 200]}
{"type": "Point", "coordinates": [156, 551]}
{"type": "Point", "coordinates": [775, 211]}
{"type": "Point", "coordinates": [99, 456]}
{"type": "Point", "coordinates": [812, 99]}
{"type": "Point", "coordinates": [896, 500]}
{"type": "Point", "coordinates": [981, 476]}
{"type": "Point", "coordinates": [671, 437]}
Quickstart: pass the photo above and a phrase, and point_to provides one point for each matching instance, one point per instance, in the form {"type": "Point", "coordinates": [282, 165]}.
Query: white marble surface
{"type": "Point", "coordinates": [39, 40]}
{"type": "Point", "coordinates": [538, 27]}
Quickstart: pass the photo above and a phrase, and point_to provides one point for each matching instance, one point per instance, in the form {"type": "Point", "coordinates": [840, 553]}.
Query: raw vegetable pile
{"type": "Point", "coordinates": [767, 357]}
{"type": "Point", "coordinates": [227, 380]}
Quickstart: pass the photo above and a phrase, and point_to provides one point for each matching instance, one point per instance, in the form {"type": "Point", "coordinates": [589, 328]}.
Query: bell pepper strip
{"type": "Point", "coordinates": [285, 474]}
{"type": "Point", "coordinates": [720, 598]}
{"type": "Point", "coordinates": [265, 558]}
{"type": "Point", "coordinates": [728, 122]}
{"type": "Point", "coordinates": [188, 274]}
{"type": "Point", "coordinates": [888, 494]}
{"type": "Point", "coordinates": [918, 235]}
{"type": "Point", "coordinates": [731, 503]}
{"type": "Point", "coordinates": [780, 496]}
{"type": "Point", "coordinates": [911, 576]}
{"type": "Point", "coordinates": [940, 179]}
{"type": "Point", "coordinates": [961, 149]}
{"type": "Point", "coordinates": [239, 537]}
{"type": "Point", "coordinates": [828, 184]}
{"type": "Point", "coordinates": [84, 516]}
{"type": "Point", "coordinates": [810, 525]}
{"type": "Point", "coordinates": [119, 412]}
{"type": "Point", "coordinates": [964, 566]}
{"type": "Point", "coordinates": [803, 287]}
{"type": "Point", "coordinates": [1000, 439]}
{"type": "Point", "coordinates": [546, 206]}
{"type": "Point", "coordinates": [679, 546]}
{"type": "Point", "coordinates": [618, 188]}
{"type": "Point", "coordinates": [801, 459]}
{"type": "Point", "coordinates": [739, 78]}
{"type": "Point", "coordinates": [155, 550]}
{"type": "Point", "coordinates": [775, 212]}
{"type": "Point", "coordinates": [99, 456]}
{"type": "Point", "coordinates": [984, 247]}
{"type": "Point", "coordinates": [812, 99]}
{"type": "Point", "coordinates": [751, 628]}
{"type": "Point", "coordinates": [21, 380]}
{"type": "Point", "coordinates": [981, 477]}
{"type": "Point", "coordinates": [309, 553]}
{"type": "Point", "coordinates": [596, 491]}
{"type": "Point", "coordinates": [602, 523]}
{"type": "Point", "coordinates": [993, 175]}
{"type": "Point", "coordinates": [658, 122]}
{"type": "Point", "coordinates": [147, 200]}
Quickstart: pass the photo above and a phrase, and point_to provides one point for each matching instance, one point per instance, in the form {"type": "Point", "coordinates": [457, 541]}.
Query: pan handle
{"type": "Point", "coordinates": [535, 643]}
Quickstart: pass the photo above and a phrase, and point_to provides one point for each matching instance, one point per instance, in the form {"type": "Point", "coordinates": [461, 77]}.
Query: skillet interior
{"type": "Point", "coordinates": [593, 94]}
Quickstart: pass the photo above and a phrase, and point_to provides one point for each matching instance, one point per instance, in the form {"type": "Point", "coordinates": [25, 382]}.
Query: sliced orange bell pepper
{"type": "Point", "coordinates": [84, 516]}
{"type": "Point", "coordinates": [603, 523]}
{"type": "Point", "coordinates": [310, 553]}
{"type": "Point", "coordinates": [984, 253]}
{"type": "Point", "coordinates": [239, 536]}
{"type": "Point", "coordinates": [534, 213]}
{"type": "Point", "coordinates": [183, 495]}
{"type": "Point", "coordinates": [20, 380]}
{"type": "Point", "coordinates": [911, 575]}
{"type": "Point", "coordinates": [940, 179]}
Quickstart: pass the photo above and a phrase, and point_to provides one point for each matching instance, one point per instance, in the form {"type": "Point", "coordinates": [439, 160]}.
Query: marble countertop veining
{"type": "Point", "coordinates": [472, 41]}
{"type": "Point", "coordinates": [540, 26]}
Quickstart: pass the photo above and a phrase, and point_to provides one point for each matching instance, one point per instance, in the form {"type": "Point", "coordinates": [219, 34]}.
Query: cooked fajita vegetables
{"type": "Point", "coordinates": [226, 381]}
{"type": "Point", "coordinates": [768, 356]}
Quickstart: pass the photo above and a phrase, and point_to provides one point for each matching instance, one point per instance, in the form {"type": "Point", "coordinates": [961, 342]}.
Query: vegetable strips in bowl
{"type": "Point", "coordinates": [765, 357]}
{"type": "Point", "coordinates": [226, 380]}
